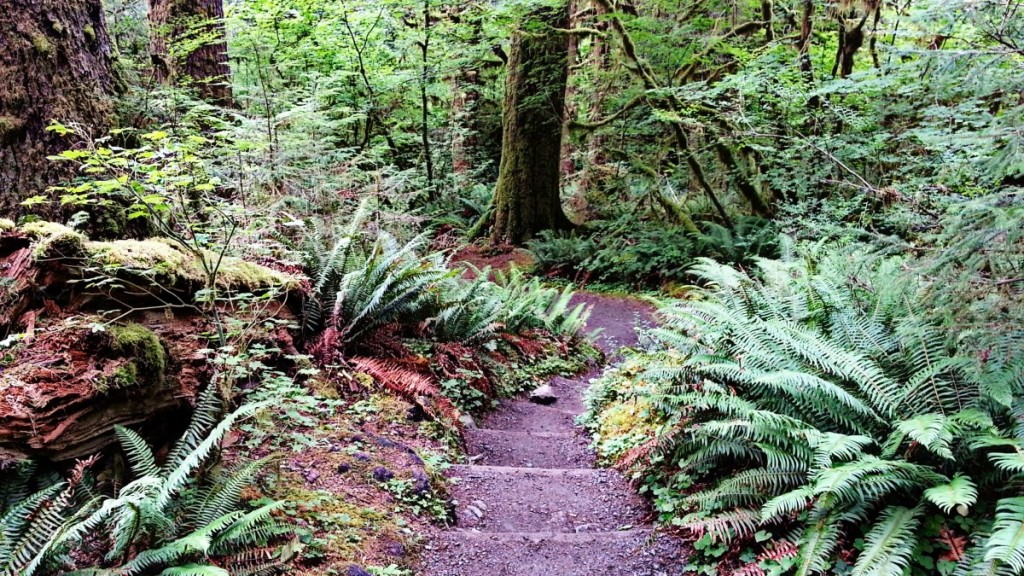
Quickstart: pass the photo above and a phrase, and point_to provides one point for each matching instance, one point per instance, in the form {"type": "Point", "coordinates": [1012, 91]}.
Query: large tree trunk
{"type": "Point", "coordinates": [595, 169]}
{"type": "Point", "coordinates": [182, 50]}
{"type": "Point", "coordinates": [55, 64]}
{"type": "Point", "coordinates": [526, 197]}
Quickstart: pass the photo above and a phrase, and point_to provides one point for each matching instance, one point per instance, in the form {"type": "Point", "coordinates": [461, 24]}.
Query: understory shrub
{"type": "Point", "coordinates": [626, 251]}
{"type": "Point", "coordinates": [814, 406]}
{"type": "Point", "coordinates": [372, 299]}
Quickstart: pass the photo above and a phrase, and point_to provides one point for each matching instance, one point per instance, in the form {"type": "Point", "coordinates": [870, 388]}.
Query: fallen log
{"type": "Point", "coordinates": [96, 334]}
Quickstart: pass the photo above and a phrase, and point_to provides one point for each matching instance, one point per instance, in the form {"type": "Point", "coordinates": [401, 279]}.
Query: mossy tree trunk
{"type": "Point", "coordinates": [526, 197]}
{"type": "Point", "coordinates": [188, 45]}
{"type": "Point", "coordinates": [55, 64]}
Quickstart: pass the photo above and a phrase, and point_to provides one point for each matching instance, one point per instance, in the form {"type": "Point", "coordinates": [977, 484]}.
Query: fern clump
{"type": "Point", "coordinates": [814, 402]}
{"type": "Point", "coordinates": [173, 518]}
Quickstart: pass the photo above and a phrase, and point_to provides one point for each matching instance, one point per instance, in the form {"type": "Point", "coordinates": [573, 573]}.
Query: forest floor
{"type": "Point", "coordinates": [533, 502]}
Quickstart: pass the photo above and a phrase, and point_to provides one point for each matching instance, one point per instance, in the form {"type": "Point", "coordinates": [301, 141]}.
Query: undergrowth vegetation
{"type": "Point", "coordinates": [176, 517]}
{"type": "Point", "coordinates": [817, 415]}
{"type": "Point", "coordinates": [264, 207]}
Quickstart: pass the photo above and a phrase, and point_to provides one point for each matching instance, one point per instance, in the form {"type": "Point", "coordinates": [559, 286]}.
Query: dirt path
{"type": "Point", "coordinates": [533, 502]}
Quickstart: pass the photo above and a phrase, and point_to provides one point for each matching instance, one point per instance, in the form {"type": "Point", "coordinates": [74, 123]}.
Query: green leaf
{"type": "Point", "coordinates": [960, 492]}
{"type": "Point", "coordinates": [195, 570]}
{"type": "Point", "coordinates": [889, 543]}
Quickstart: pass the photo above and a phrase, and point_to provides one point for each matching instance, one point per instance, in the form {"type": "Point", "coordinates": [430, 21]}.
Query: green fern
{"type": "Point", "coordinates": [1004, 550]}
{"type": "Point", "coordinates": [176, 529]}
{"type": "Point", "coordinates": [890, 543]}
{"type": "Point", "coordinates": [817, 392]}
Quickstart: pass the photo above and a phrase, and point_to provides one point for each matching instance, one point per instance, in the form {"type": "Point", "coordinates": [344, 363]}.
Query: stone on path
{"type": "Point", "coordinates": [543, 395]}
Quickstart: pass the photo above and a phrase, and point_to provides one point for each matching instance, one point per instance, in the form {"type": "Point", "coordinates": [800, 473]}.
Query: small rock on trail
{"type": "Point", "coordinates": [543, 395]}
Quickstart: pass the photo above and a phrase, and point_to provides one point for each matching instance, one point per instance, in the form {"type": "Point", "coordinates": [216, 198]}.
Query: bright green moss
{"type": "Point", "coordinates": [170, 261]}
{"type": "Point", "coordinates": [157, 256]}
{"type": "Point", "coordinates": [6, 225]}
{"type": "Point", "coordinates": [142, 345]}
{"type": "Point", "coordinates": [146, 359]}
{"type": "Point", "coordinates": [236, 273]}
{"type": "Point", "coordinates": [42, 44]}
{"type": "Point", "coordinates": [54, 240]}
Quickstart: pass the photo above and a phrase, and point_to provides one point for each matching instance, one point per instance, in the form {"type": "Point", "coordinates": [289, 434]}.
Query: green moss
{"type": "Point", "coordinates": [58, 27]}
{"type": "Point", "coordinates": [6, 225]}
{"type": "Point", "coordinates": [42, 44]}
{"type": "Point", "coordinates": [159, 256]}
{"type": "Point", "coordinates": [55, 240]}
{"type": "Point", "coordinates": [10, 125]}
{"type": "Point", "coordinates": [236, 273]}
{"type": "Point", "coordinates": [143, 346]}
{"type": "Point", "coordinates": [125, 376]}
{"type": "Point", "coordinates": [89, 32]}
{"type": "Point", "coordinates": [144, 358]}
{"type": "Point", "coordinates": [170, 261]}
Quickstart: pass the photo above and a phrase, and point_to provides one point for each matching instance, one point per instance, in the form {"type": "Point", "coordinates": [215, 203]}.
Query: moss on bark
{"type": "Point", "coordinates": [178, 24]}
{"type": "Point", "coordinates": [527, 196]}
{"type": "Point", "coordinates": [57, 65]}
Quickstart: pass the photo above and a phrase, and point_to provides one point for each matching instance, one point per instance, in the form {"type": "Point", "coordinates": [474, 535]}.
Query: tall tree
{"type": "Point", "coordinates": [55, 64]}
{"type": "Point", "coordinates": [526, 197]}
{"type": "Point", "coordinates": [187, 42]}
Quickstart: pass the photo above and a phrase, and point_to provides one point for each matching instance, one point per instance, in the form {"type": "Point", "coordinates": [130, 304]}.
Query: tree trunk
{"type": "Point", "coordinates": [55, 64]}
{"type": "Point", "coordinates": [425, 79]}
{"type": "Point", "coordinates": [526, 197]}
{"type": "Point", "coordinates": [568, 166]}
{"type": "Point", "coordinates": [181, 47]}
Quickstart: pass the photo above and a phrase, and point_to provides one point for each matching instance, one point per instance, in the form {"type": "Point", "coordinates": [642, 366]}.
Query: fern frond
{"type": "Point", "coordinates": [890, 543]}
{"type": "Point", "coordinates": [1004, 549]}
{"type": "Point", "coordinates": [195, 570]}
{"type": "Point", "coordinates": [960, 491]}
{"type": "Point", "coordinates": [140, 456]}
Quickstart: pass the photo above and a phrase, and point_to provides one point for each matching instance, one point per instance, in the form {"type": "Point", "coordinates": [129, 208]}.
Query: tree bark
{"type": "Point", "coordinates": [594, 168]}
{"type": "Point", "coordinates": [527, 195]}
{"type": "Point", "coordinates": [568, 166]}
{"type": "Point", "coordinates": [428, 155]}
{"type": "Point", "coordinates": [55, 64]}
{"type": "Point", "coordinates": [187, 43]}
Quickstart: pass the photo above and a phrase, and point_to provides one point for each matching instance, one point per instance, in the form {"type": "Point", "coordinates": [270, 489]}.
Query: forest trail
{"type": "Point", "coordinates": [533, 502]}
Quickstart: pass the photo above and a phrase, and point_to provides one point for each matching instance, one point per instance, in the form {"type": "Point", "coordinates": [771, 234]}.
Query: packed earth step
{"type": "Point", "coordinates": [531, 503]}
{"type": "Point", "coordinates": [523, 416]}
{"type": "Point", "coordinates": [528, 449]}
{"type": "Point", "coordinates": [632, 552]}
{"type": "Point", "coordinates": [507, 499]}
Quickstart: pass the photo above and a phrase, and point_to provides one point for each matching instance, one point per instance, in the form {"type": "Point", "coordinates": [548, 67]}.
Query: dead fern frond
{"type": "Point", "coordinates": [739, 523]}
{"type": "Point", "coordinates": [396, 378]}
{"type": "Point", "coordinates": [527, 344]}
{"type": "Point", "coordinates": [637, 453]}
